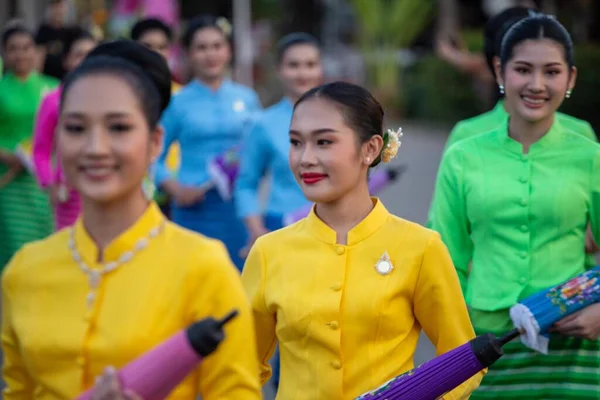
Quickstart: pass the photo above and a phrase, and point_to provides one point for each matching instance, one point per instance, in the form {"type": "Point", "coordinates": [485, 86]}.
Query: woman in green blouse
{"type": "Point", "coordinates": [24, 209]}
{"type": "Point", "coordinates": [513, 205]}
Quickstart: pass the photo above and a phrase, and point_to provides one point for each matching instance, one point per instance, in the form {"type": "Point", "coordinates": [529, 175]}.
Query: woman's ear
{"type": "Point", "coordinates": [372, 149]}
{"type": "Point", "coordinates": [498, 71]}
{"type": "Point", "coordinates": [156, 142]}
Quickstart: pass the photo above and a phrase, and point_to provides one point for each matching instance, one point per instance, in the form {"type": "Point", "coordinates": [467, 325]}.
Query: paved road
{"type": "Point", "coordinates": [410, 197]}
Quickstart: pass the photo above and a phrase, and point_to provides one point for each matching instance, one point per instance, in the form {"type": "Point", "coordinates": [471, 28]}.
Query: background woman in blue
{"type": "Point", "coordinates": [266, 148]}
{"type": "Point", "coordinates": [206, 117]}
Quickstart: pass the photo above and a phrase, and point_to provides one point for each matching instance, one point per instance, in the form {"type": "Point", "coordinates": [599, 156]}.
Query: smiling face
{"type": "Point", "coordinates": [104, 139]}
{"type": "Point", "coordinates": [325, 154]}
{"type": "Point", "coordinates": [300, 69]}
{"type": "Point", "coordinates": [536, 79]}
{"type": "Point", "coordinates": [209, 54]}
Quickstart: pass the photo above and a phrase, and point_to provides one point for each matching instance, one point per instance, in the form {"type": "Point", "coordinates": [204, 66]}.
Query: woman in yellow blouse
{"type": "Point", "coordinates": [347, 290]}
{"type": "Point", "coordinates": [123, 279]}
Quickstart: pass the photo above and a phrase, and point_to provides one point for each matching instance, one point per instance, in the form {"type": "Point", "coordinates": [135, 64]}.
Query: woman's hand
{"type": "Point", "coordinates": [108, 388]}
{"type": "Point", "coordinates": [591, 247]}
{"type": "Point", "coordinates": [9, 159]}
{"type": "Point", "coordinates": [582, 324]}
{"type": "Point", "coordinates": [183, 196]}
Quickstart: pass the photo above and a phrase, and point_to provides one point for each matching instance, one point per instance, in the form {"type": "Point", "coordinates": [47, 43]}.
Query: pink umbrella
{"type": "Point", "coordinates": [156, 373]}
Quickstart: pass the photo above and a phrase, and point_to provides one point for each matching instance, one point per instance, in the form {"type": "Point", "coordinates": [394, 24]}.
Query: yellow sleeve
{"type": "Point", "coordinates": [19, 384]}
{"type": "Point", "coordinates": [254, 279]}
{"type": "Point", "coordinates": [440, 309]}
{"type": "Point", "coordinates": [231, 372]}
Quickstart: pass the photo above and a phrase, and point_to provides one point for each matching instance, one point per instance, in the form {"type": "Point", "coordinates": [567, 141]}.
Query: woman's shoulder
{"type": "Point", "coordinates": [38, 257]}
{"type": "Point", "coordinates": [413, 234]}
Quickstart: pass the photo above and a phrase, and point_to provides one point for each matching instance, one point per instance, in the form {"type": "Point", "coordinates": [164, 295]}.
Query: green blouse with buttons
{"type": "Point", "coordinates": [515, 223]}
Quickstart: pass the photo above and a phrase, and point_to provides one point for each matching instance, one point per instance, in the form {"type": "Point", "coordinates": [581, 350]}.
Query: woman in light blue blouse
{"type": "Point", "coordinates": [206, 117]}
{"type": "Point", "coordinates": [265, 149]}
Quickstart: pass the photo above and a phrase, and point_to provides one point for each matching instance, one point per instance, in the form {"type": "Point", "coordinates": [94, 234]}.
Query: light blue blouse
{"type": "Point", "coordinates": [265, 150]}
{"type": "Point", "coordinates": [205, 123]}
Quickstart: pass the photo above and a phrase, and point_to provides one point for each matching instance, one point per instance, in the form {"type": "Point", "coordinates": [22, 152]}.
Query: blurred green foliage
{"type": "Point", "coordinates": [435, 91]}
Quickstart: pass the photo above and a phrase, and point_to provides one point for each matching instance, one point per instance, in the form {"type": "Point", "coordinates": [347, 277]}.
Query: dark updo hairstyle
{"type": "Point", "coordinates": [496, 28]}
{"type": "Point", "coordinates": [74, 35]}
{"type": "Point", "coordinates": [204, 22]}
{"type": "Point", "coordinates": [15, 29]}
{"type": "Point", "coordinates": [150, 24]}
{"type": "Point", "coordinates": [144, 70]}
{"type": "Point", "coordinates": [361, 111]}
{"type": "Point", "coordinates": [294, 39]}
{"type": "Point", "coordinates": [538, 26]}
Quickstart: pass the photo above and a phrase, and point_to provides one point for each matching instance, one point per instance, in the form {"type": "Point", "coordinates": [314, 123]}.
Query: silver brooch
{"type": "Point", "coordinates": [384, 264]}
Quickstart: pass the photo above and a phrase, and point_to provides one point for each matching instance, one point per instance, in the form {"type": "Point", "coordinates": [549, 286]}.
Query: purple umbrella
{"type": "Point", "coordinates": [157, 372]}
{"type": "Point", "coordinates": [536, 314]}
{"type": "Point", "coordinates": [444, 373]}
{"type": "Point", "coordinates": [380, 179]}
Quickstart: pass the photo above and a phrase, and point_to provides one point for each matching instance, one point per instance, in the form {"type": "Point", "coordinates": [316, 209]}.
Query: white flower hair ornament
{"type": "Point", "coordinates": [391, 144]}
{"type": "Point", "coordinates": [224, 25]}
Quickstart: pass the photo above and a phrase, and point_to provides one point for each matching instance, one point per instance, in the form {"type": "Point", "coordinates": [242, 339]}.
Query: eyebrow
{"type": "Point", "coordinates": [552, 64]}
{"type": "Point", "coordinates": [316, 132]}
{"type": "Point", "coordinates": [117, 114]}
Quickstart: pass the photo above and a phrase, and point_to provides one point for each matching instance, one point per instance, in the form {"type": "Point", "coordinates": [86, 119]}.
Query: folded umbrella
{"type": "Point", "coordinates": [538, 313]}
{"type": "Point", "coordinates": [380, 179]}
{"type": "Point", "coordinates": [444, 373]}
{"type": "Point", "coordinates": [223, 170]}
{"type": "Point", "coordinates": [156, 373]}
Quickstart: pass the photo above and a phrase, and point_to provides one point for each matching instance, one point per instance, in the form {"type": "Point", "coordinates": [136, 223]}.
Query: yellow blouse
{"type": "Point", "coordinates": [343, 327]}
{"type": "Point", "coordinates": [55, 346]}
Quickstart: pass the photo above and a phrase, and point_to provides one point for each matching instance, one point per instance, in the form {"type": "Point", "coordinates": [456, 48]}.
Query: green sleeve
{"type": "Point", "coordinates": [449, 213]}
{"type": "Point", "coordinates": [588, 132]}
{"type": "Point", "coordinates": [595, 198]}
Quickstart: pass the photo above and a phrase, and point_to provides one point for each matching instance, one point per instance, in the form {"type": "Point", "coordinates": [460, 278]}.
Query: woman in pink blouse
{"type": "Point", "coordinates": [65, 200]}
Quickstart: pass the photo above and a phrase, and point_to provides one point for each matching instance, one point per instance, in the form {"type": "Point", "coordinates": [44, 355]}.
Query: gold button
{"type": "Point", "coordinates": [340, 250]}
{"type": "Point", "coordinates": [334, 325]}
{"type": "Point", "coordinates": [336, 287]}
{"type": "Point", "coordinates": [336, 364]}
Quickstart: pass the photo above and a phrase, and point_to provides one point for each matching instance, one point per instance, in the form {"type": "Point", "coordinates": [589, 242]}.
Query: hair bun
{"type": "Point", "coordinates": [152, 64]}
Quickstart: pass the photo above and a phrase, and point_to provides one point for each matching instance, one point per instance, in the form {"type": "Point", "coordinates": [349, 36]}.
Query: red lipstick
{"type": "Point", "coordinates": [310, 178]}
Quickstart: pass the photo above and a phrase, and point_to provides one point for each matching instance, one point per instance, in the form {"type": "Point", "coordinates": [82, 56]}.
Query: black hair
{"type": "Point", "coordinates": [150, 24]}
{"type": "Point", "coordinates": [13, 30]}
{"type": "Point", "coordinates": [75, 35]}
{"type": "Point", "coordinates": [538, 26]}
{"type": "Point", "coordinates": [204, 22]}
{"type": "Point", "coordinates": [361, 111]}
{"type": "Point", "coordinates": [496, 28]}
{"type": "Point", "coordinates": [294, 39]}
{"type": "Point", "coordinates": [144, 70]}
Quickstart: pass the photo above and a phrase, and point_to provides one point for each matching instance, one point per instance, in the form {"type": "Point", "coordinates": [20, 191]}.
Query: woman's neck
{"type": "Point", "coordinates": [105, 222]}
{"type": "Point", "coordinates": [347, 212]}
{"type": "Point", "coordinates": [212, 83]}
{"type": "Point", "coordinates": [22, 76]}
{"type": "Point", "coordinates": [527, 133]}
{"type": "Point", "coordinates": [293, 97]}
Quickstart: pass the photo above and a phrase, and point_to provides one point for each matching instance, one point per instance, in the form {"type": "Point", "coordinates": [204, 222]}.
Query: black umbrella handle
{"type": "Point", "coordinates": [228, 318]}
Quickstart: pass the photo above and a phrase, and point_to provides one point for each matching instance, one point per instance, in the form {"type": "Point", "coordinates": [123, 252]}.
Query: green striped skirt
{"type": "Point", "coordinates": [570, 370]}
{"type": "Point", "coordinates": [25, 215]}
